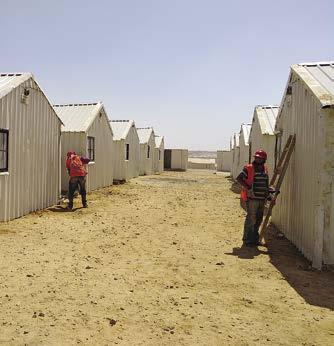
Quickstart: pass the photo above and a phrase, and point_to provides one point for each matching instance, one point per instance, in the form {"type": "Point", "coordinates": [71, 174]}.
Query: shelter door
{"type": "Point", "coordinates": [168, 159]}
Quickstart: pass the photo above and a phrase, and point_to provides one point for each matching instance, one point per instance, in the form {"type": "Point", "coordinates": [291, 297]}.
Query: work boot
{"type": "Point", "coordinates": [85, 205]}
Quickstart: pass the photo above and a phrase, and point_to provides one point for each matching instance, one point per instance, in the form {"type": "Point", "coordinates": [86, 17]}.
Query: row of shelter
{"type": "Point", "coordinates": [304, 211]}
{"type": "Point", "coordinates": [36, 135]}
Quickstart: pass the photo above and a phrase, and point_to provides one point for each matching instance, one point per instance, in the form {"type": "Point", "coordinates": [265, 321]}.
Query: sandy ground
{"type": "Point", "coordinates": [157, 261]}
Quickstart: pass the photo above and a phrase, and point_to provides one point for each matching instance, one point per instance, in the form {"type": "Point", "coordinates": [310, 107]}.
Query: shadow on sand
{"type": "Point", "coordinates": [316, 287]}
{"type": "Point", "coordinates": [60, 209]}
{"type": "Point", "coordinates": [245, 252]}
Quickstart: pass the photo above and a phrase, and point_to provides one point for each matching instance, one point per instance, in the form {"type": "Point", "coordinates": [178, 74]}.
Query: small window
{"type": "Point", "coordinates": [159, 155]}
{"type": "Point", "coordinates": [127, 151]}
{"type": "Point", "coordinates": [148, 151]}
{"type": "Point", "coordinates": [91, 148]}
{"type": "Point", "coordinates": [4, 150]}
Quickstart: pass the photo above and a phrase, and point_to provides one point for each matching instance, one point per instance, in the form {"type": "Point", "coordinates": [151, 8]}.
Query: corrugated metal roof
{"type": "Point", "coordinates": [319, 76]}
{"type": "Point", "coordinates": [121, 128]}
{"type": "Point", "coordinates": [245, 131]}
{"type": "Point", "coordinates": [10, 81]}
{"type": "Point", "coordinates": [78, 117]}
{"type": "Point", "coordinates": [267, 118]}
{"type": "Point", "coordinates": [144, 134]}
{"type": "Point", "coordinates": [158, 141]}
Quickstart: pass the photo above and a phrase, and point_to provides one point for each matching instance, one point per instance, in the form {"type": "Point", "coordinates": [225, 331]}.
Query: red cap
{"type": "Point", "coordinates": [261, 154]}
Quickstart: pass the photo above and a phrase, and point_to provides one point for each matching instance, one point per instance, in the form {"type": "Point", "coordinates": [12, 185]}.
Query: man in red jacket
{"type": "Point", "coordinates": [76, 169]}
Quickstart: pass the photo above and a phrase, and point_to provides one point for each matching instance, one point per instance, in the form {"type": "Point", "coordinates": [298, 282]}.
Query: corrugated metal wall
{"type": "Point", "coordinates": [327, 190]}
{"type": "Point", "coordinates": [100, 172]}
{"type": "Point", "coordinates": [236, 162]}
{"type": "Point", "coordinates": [300, 199]}
{"type": "Point", "coordinates": [259, 141]}
{"type": "Point", "coordinates": [33, 181]}
{"type": "Point", "coordinates": [159, 164]}
{"type": "Point", "coordinates": [125, 170]}
{"type": "Point", "coordinates": [244, 154]}
{"type": "Point", "coordinates": [147, 164]}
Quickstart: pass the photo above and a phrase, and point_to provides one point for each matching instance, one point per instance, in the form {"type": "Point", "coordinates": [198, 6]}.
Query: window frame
{"type": "Point", "coordinates": [127, 151]}
{"type": "Point", "coordinates": [91, 149]}
{"type": "Point", "coordinates": [159, 155]}
{"type": "Point", "coordinates": [6, 132]}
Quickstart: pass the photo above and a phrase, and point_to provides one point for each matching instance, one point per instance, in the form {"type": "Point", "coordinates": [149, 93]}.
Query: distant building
{"type": "Point", "coordinates": [224, 160]}
{"type": "Point", "coordinates": [176, 159]}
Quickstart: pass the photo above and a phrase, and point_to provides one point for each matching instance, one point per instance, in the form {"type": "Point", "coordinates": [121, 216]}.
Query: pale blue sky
{"type": "Point", "coordinates": [194, 70]}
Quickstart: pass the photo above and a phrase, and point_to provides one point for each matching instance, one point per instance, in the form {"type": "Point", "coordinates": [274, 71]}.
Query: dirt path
{"type": "Point", "coordinates": [157, 262]}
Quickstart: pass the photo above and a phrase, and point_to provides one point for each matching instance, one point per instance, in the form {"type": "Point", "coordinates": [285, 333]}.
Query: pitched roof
{"type": "Point", "coordinates": [245, 131]}
{"type": "Point", "coordinates": [267, 118]}
{"type": "Point", "coordinates": [10, 81]}
{"type": "Point", "coordinates": [144, 134]}
{"type": "Point", "coordinates": [78, 117]}
{"type": "Point", "coordinates": [158, 141]}
{"type": "Point", "coordinates": [121, 128]}
{"type": "Point", "coordinates": [319, 77]}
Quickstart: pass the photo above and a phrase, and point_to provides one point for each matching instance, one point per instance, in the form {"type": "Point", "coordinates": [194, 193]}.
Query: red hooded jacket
{"type": "Point", "coordinates": [76, 165]}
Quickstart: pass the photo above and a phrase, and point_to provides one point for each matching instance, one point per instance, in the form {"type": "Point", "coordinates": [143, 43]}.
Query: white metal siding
{"type": "Point", "coordinates": [147, 164]}
{"type": "Point", "coordinates": [127, 169]}
{"type": "Point", "coordinates": [34, 145]}
{"type": "Point", "coordinates": [265, 142]}
{"type": "Point", "coordinates": [159, 164]}
{"type": "Point", "coordinates": [296, 210]}
{"type": "Point", "coordinates": [244, 154]}
{"type": "Point", "coordinates": [100, 172]}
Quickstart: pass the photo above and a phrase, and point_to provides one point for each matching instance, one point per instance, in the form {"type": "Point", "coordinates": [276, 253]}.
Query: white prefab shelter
{"type": "Point", "coordinates": [87, 131]}
{"type": "Point", "coordinates": [159, 152]}
{"type": "Point", "coordinates": [305, 208]}
{"type": "Point", "coordinates": [236, 155]}
{"type": "Point", "coordinates": [147, 145]}
{"type": "Point", "coordinates": [224, 160]}
{"type": "Point", "coordinates": [262, 134]}
{"type": "Point", "coordinates": [29, 147]}
{"type": "Point", "coordinates": [126, 158]}
{"type": "Point", "coordinates": [176, 159]}
{"type": "Point", "coordinates": [244, 145]}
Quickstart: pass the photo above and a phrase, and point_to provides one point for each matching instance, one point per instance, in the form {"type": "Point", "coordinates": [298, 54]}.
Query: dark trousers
{"type": "Point", "coordinates": [255, 209]}
{"type": "Point", "coordinates": [74, 183]}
